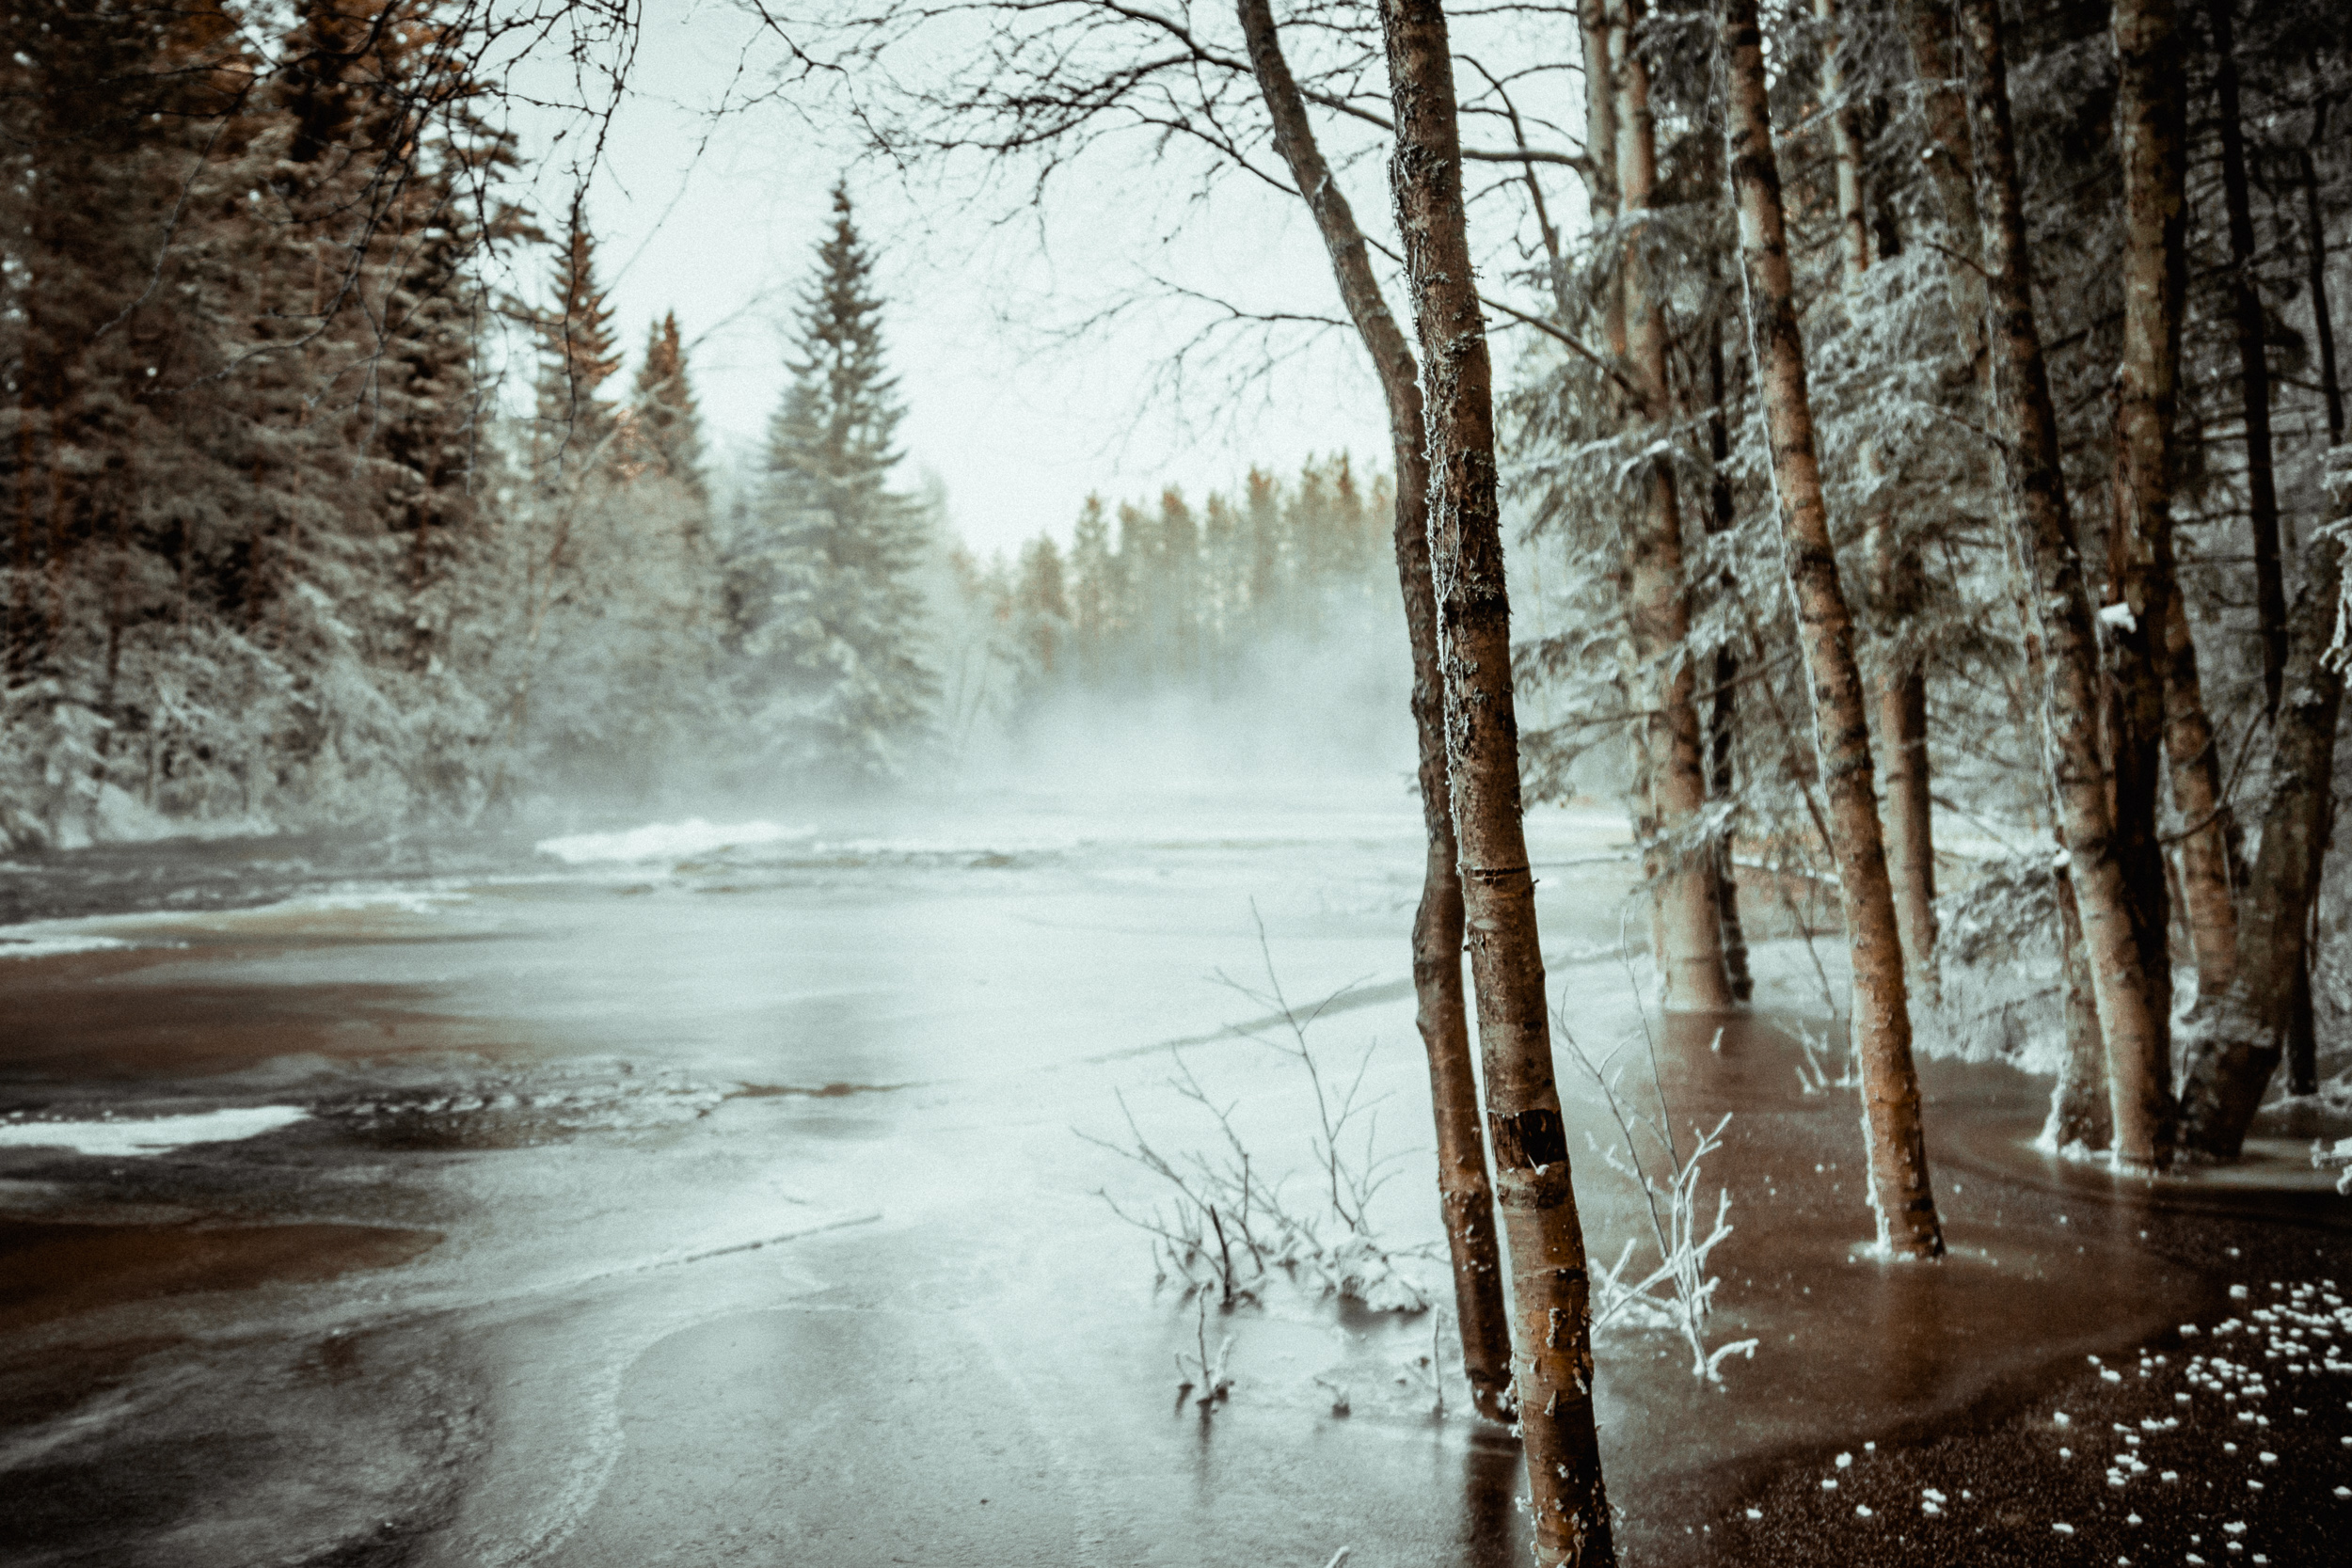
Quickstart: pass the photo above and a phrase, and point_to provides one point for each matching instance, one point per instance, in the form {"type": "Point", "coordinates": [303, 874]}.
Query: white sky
{"type": "Point", "coordinates": [1014, 403]}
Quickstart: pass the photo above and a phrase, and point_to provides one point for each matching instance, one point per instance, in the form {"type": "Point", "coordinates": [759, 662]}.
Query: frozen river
{"type": "Point", "coordinates": [711, 1194]}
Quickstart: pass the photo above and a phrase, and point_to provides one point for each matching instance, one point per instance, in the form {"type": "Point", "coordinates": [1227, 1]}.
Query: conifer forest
{"type": "Point", "coordinates": [1100, 782]}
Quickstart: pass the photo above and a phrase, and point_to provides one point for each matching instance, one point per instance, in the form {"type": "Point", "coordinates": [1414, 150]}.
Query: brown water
{"type": "Point", "coordinates": [730, 1206]}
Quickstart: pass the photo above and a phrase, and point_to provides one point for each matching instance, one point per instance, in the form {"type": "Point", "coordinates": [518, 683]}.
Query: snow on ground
{"type": "Point", "coordinates": [667, 840]}
{"type": "Point", "coordinates": [152, 1136]}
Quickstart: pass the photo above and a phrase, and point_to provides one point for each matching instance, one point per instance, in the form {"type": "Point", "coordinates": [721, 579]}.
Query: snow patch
{"type": "Point", "coordinates": [49, 945]}
{"type": "Point", "coordinates": [151, 1136]}
{"type": "Point", "coordinates": [665, 840]}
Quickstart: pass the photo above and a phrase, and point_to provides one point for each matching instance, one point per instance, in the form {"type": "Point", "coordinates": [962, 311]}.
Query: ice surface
{"type": "Point", "coordinates": [663, 840]}
{"type": "Point", "coordinates": [151, 1136]}
{"type": "Point", "coordinates": [50, 944]}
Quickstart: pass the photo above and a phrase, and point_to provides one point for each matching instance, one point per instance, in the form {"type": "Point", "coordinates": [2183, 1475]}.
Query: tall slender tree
{"type": "Point", "coordinates": [1550, 1286]}
{"type": "Point", "coordinates": [1900, 1191]}
{"type": "Point", "coordinates": [1466, 1196]}
{"type": "Point", "coordinates": [2130, 1018]}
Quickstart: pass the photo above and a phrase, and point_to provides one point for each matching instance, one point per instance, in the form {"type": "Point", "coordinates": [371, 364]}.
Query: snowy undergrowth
{"type": "Point", "coordinates": [1675, 1294]}
{"type": "Point", "coordinates": [1220, 1226]}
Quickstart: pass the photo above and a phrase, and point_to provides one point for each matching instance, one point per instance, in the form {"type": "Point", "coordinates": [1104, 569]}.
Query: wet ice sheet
{"type": "Point", "coordinates": [152, 1136]}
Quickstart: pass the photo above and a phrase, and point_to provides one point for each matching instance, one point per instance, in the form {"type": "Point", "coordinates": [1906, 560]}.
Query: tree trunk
{"type": "Point", "coordinates": [1952, 168]}
{"type": "Point", "coordinates": [2261, 488]}
{"type": "Point", "coordinates": [1464, 1195]}
{"type": "Point", "coordinates": [2233, 1047]}
{"type": "Point", "coordinates": [1899, 1188]}
{"type": "Point", "coordinates": [1895, 591]}
{"type": "Point", "coordinates": [2315, 261]}
{"type": "Point", "coordinates": [2158, 698]}
{"type": "Point", "coordinates": [2130, 1026]}
{"type": "Point", "coordinates": [1660, 596]}
{"type": "Point", "coordinates": [1551, 1288]}
{"type": "Point", "coordinates": [2079, 1111]}
{"type": "Point", "coordinates": [1722, 708]}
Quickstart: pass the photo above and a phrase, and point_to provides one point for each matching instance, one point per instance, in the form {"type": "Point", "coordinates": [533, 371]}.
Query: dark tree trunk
{"type": "Point", "coordinates": [2148, 659]}
{"type": "Point", "coordinates": [2234, 1046]}
{"type": "Point", "coordinates": [1550, 1286]}
{"type": "Point", "coordinates": [1900, 1187]}
{"type": "Point", "coordinates": [2315, 260]}
{"type": "Point", "coordinates": [2130, 1027]}
{"type": "Point", "coordinates": [1465, 1193]}
{"type": "Point", "coordinates": [2262, 487]}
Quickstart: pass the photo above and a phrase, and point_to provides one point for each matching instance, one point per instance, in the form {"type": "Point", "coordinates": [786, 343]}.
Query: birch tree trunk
{"type": "Point", "coordinates": [1551, 1287]}
{"type": "Point", "coordinates": [2079, 1111]}
{"type": "Point", "coordinates": [1464, 1195]}
{"type": "Point", "coordinates": [1722, 711]}
{"type": "Point", "coordinates": [1895, 592]}
{"type": "Point", "coordinates": [2129, 1025]}
{"type": "Point", "coordinates": [1690, 921]}
{"type": "Point", "coordinates": [2233, 1047]}
{"type": "Point", "coordinates": [1899, 1188]}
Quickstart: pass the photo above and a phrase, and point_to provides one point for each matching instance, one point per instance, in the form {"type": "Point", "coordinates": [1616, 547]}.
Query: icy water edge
{"type": "Point", "coordinates": [719, 1197]}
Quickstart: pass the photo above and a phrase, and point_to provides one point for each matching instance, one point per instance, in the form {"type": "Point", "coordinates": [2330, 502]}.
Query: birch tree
{"type": "Point", "coordinates": [1900, 1191]}
{"type": "Point", "coordinates": [1550, 1286]}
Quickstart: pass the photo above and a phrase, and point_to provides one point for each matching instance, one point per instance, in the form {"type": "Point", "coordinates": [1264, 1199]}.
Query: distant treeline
{"type": "Point", "coordinates": [1157, 593]}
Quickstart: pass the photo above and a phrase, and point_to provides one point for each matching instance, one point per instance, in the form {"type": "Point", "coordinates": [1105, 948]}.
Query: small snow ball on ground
{"type": "Point", "coordinates": [1756, 1513]}
{"type": "Point", "coordinates": [1845, 1461]}
{"type": "Point", "coordinates": [2063, 1528]}
{"type": "Point", "coordinates": [1861, 1511]}
{"type": "Point", "coordinates": [2061, 1417]}
{"type": "Point", "coordinates": [1828, 1485]}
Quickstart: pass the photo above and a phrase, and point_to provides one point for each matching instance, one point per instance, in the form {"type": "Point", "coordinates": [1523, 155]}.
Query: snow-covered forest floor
{"type": "Point", "coordinates": [699, 1194]}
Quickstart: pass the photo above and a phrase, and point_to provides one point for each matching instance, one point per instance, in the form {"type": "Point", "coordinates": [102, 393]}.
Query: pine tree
{"type": "Point", "coordinates": [1041, 609]}
{"type": "Point", "coordinates": [665, 427]}
{"type": "Point", "coordinates": [1094, 590]}
{"type": "Point", "coordinates": [831, 626]}
{"type": "Point", "coordinates": [577, 355]}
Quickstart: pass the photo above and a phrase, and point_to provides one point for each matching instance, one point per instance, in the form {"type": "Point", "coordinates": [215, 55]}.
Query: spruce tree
{"type": "Point", "coordinates": [665, 427]}
{"type": "Point", "coordinates": [1094, 589]}
{"type": "Point", "coordinates": [832, 616]}
{"type": "Point", "coordinates": [577, 355]}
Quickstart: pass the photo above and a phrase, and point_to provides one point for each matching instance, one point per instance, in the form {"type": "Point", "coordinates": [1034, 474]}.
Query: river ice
{"type": "Point", "coordinates": [707, 1195]}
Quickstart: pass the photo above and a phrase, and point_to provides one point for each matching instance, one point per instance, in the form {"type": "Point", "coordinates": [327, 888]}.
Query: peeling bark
{"type": "Point", "coordinates": [1900, 1186]}
{"type": "Point", "coordinates": [2130, 1028]}
{"type": "Point", "coordinates": [1550, 1286]}
{"type": "Point", "coordinates": [1465, 1193]}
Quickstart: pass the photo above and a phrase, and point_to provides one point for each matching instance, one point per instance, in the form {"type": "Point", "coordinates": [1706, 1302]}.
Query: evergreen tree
{"type": "Point", "coordinates": [1094, 590]}
{"type": "Point", "coordinates": [665, 427]}
{"type": "Point", "coordinates": [1041, 609]}
{"type": "Point", "coordinates": [832, 624]}
{"type": "Point", "coordinates": [577, 355]}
